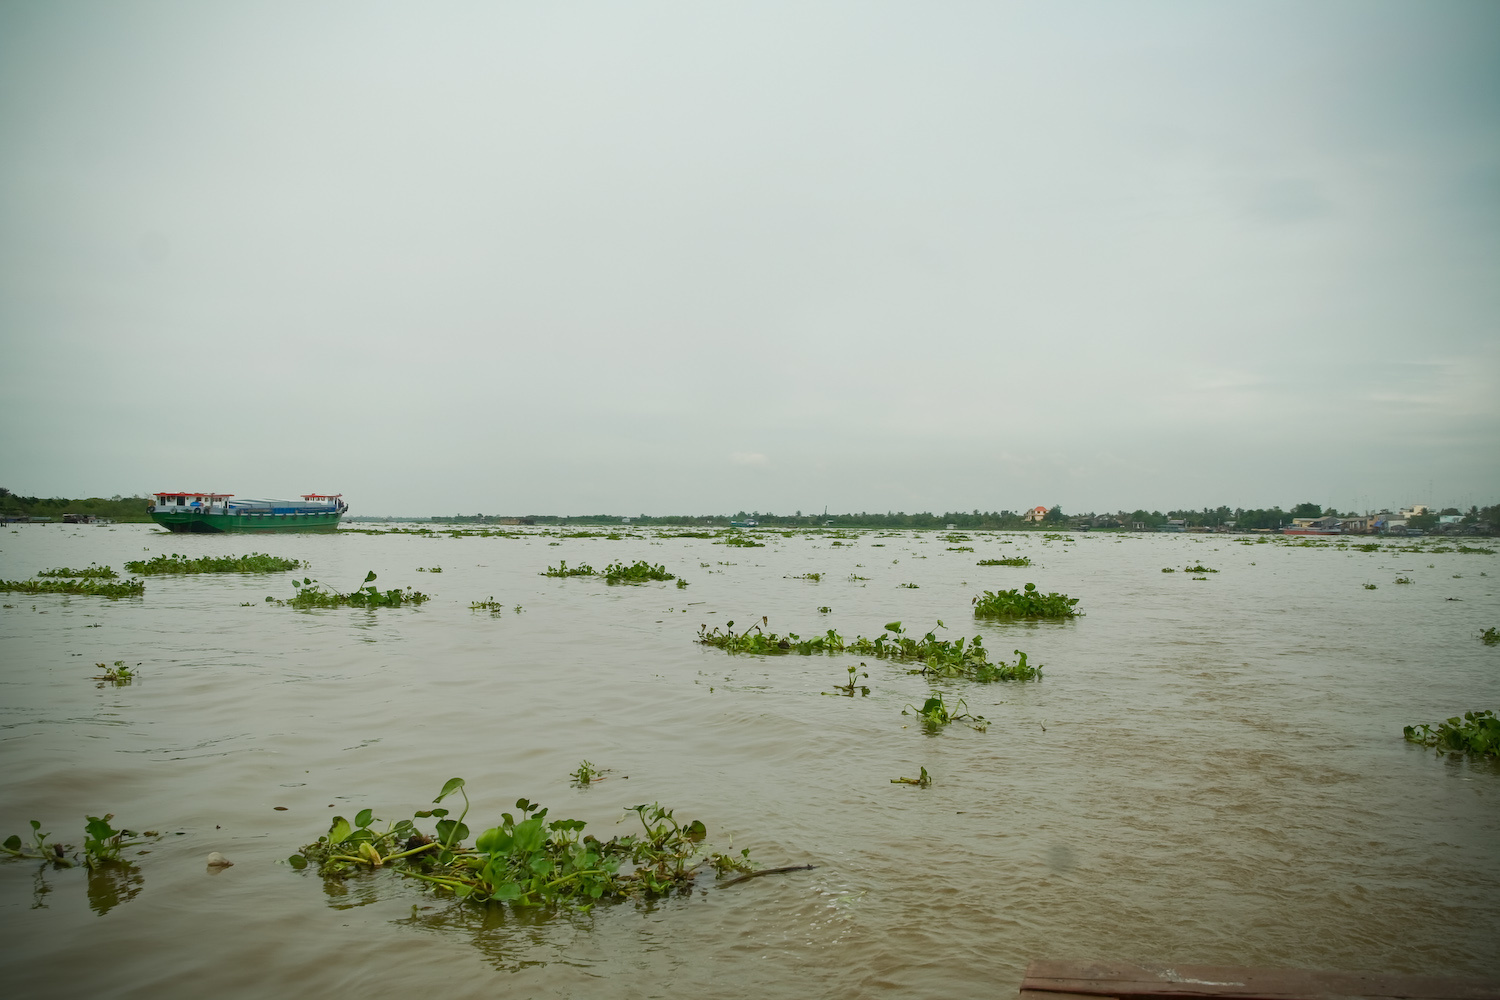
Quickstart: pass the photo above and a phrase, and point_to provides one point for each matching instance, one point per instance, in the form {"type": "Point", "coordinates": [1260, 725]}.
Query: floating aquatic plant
{"type": "Point", "coordinates": [255, 562]}
{"type": "Point", "coordinates": [1015, 561]}
{"type": "Point", "coordinates": [1474, 550]}
{"type": "Point", "coordinates": [1371, 586]}
{"type": "Point", "coordinates": [86, 587]}
{"type": "Point", "coordinates": [1200, 568]}
{"type": "Point", "coordinates": [530, 861]}
{"type": "Point", "coordinates": [921, 782]}
{"type": "Point", "coordinates": [312, 594]}
{"type": "Point", "coordinates": [1403, 579]}
{"type": "Point", "coordinates": [966, 658]}
{"type": "Point", "coordinates": [90, 572]}
{"type": "Point", "coordinates": [1490, 637]}
{"type": "Point", "coordinates": [102, 843]}
{"type": "Point", "coordinates": [1476, 733]}
{"type": "Point", "coordinates": [561, 569]}
{"type": "Point", "coordinates": [935, 714]}
{"type": "Point", "coordinates": [848, 688]}
{"type": "Point", "coordinates": [586, 774]}
{"type": "Point", "coordinates": [637, 572]}
{"type": "Point", "coordinates": [1029, 604]}
{"type": "Point", "coordinates": [119, 675]}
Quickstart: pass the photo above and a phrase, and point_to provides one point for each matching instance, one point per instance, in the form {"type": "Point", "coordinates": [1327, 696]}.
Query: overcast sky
{"type": "Point", "coordinates": [702, 257]}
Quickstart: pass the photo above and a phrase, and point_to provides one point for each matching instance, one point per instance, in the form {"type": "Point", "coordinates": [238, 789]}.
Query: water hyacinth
{"type": "Point", "coordinates": [1029, 604]}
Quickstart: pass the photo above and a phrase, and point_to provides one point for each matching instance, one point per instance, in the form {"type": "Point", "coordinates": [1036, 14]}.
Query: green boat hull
{"type": "Point", "coordinates": [256, 523]}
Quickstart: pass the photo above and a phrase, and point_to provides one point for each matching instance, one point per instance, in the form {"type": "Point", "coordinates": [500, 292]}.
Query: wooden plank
{"type": "Point", "coordinates": [1039, 995]}
{"type": "Point", "coordinates": [1123, 980]}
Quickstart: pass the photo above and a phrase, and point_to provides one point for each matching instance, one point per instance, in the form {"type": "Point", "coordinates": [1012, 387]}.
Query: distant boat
{"type": "Point", "coordinates": [220, 512]}
{"type": "Point", "coordinates": [742, 524]}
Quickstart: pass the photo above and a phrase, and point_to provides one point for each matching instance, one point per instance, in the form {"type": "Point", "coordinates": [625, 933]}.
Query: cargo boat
{"type": "Point", "coordinates": [221, 512]}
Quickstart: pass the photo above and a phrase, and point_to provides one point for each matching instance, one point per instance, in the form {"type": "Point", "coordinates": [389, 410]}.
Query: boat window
{"type": "Point", "coordinates": [182, 501]}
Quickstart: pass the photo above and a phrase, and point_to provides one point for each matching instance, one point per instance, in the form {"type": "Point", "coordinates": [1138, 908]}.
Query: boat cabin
{"type": "Point", "coordinates": [208, 503]}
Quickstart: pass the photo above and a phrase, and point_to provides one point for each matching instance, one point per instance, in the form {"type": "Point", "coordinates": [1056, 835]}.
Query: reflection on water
{"type": "Point", "coordinates": [510, 940]}
{"type": "Point", "coordinates": [106, 884]}
{"type": "Point", "coordinates": [112, 883]}
{"type": "Point", "coordinates": [1210, 771]}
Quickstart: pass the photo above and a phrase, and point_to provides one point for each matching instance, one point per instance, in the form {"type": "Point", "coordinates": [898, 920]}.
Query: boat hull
{"type": "Point", "coordinates": [185, 521]}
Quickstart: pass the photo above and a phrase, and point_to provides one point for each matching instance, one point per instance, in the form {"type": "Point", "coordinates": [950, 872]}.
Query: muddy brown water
{"type": "Point", "coordinates": [1211, 771]}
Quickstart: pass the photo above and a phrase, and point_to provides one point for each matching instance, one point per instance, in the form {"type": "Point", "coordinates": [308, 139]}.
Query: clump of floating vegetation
{"type": "Point", "coordinates": [431, 569]}
{"type": "Point", "coordinates": [741, 542]}
{"type": "Point", "coordinates": [1013, 561]}
{"type": "Point", "coordinates": [89, 572]}
{"type": "Point", "coordinates": [639, 571]}
{"type": "Point", "coordinates": [1476, 733]}
{"type": "Point", "coordinates": [119, 675]}
{"type": "Point", "coordinates": [1490, 637]}
{"type": "Point", "coordinates": [493, 607]}
{"type": "Point", "coordinates": [102, 843]}
{"type": "Point", "coordinates": [1200, 568]}
{"type": "Point", "coordinates": [530, 861]}
{"type": "Point", "coordinates": [1474, 550]}
{"type": "Point", "coordinates": [1403, 579]}
{"type": "Point", "coordinates": [1168, 569]}
{"type": "Point", "coordinates": [966, 658]}
{"type": "Point", "coordinates": [85, 587]}
{"type": "Point", "coordinates": [1371, 586]}
{"type": "Point", "coordinates": [909, 586]}
{"type": "Point", "coordinates": [960, 548]}
{"type": "Point", "coordinates": [924, 781]}
{"type": "Point", "coordinates": [1029, 603]}
{"type": "Point", "coordinates": [849, 687]}
{"type": "Point", "coordinates": [586, 774]}
{"type": "Point", "coordinates": [814, 577]}
{"type": "Point", "coordinates": [561, 569]}
{"type": "Point", "coordinates": [255, 562]}
{"type": "Point", "coordinates": [935, 714]}
{"type": "Point", "coordinates": [312, 594]}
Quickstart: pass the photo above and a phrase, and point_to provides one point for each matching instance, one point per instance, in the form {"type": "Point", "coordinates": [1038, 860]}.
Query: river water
{"type": "Point", "coordinates": [1211, 770]}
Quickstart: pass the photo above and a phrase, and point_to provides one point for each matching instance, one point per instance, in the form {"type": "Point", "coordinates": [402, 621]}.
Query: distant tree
{"type": "Point", "coordinates": [1307, 510]}
{"type": "Point", "coordinates": [1054, 516]}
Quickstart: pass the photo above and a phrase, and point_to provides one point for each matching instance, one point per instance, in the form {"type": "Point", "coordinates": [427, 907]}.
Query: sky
{"type": "Point", "coordinates": [463, 257]}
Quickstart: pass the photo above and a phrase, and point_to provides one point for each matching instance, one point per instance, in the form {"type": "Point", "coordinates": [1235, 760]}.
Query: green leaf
{"type": "Point", "coordinates": [506, 890]}
{"type": "Point", "coordinates": [695, 830]}
{"type": "Point", "coordinates": [297, 861]}
{"type": "Point", "coordinates": [365, 817]}
{"type": "Point", "coordinates": [453, 784]}
{"type": "Point", "coordinates": [99, 829]}
{"type": "Point", "coordinates": [451, 831]}
{"type": "Point", "coordinates": [339, 832]}
{"type": "Point", "coordinates": [495, 840]}
{"type": "Point", "coordinates": [13, 842]}
{"type": "Point", "coordinates": [530, 835]}
{"type": "Point", "coordinates": [893, 626]}
{"type": "Point", "coordinates": [369, 576]}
